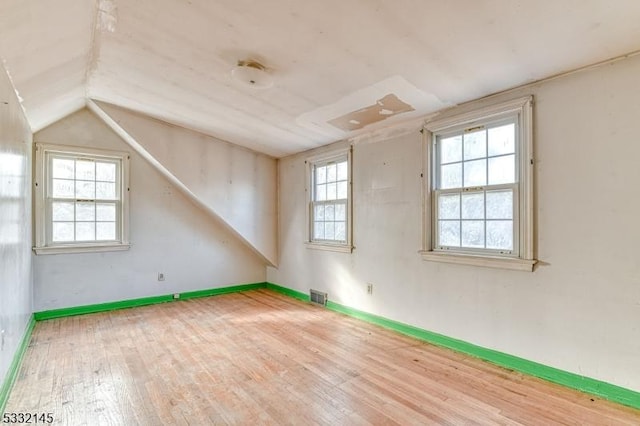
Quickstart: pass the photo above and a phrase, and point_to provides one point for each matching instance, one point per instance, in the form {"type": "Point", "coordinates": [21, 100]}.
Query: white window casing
{"type": "Point", "coordinates": [329, 201]}
{"type": "Point", "coordinates": [81, 200]}
{"type": "Point", "coordinates": [445, 181]}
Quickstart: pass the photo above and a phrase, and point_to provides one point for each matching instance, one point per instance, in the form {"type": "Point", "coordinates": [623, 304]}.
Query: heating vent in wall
{"type": "Point", "coordinates": [318, 297]}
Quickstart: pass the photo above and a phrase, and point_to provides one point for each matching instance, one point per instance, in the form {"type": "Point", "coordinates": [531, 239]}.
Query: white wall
{"type": "Point", "coordinates": [15, 223]}
{"type": "Point", "coordinates": [579, 311]}
{"type": "Point", "coordinates": [168, 234]}
{"type": "Point", "coordinates": [238, 184]}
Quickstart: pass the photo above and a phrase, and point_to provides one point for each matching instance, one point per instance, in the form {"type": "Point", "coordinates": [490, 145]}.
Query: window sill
{"type": "Point", "coordinates": [485, 261]}
{"type": "Point", "coordinates": [342, 248]}
{"type": "Point", "coordinates": [81, 248]}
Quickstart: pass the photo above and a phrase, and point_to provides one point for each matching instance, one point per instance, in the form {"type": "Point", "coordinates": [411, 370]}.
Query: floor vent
{"type": "Point", "coordinates": [318, 297]}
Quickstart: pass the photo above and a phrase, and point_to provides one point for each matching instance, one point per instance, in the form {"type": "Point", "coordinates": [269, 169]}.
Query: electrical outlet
{"type": "Point", "coordinates": [176, 295]}
{"type": "Point", "coordinates": [160, 276]}
{"type": "Point", "coordinates": [369, 288]}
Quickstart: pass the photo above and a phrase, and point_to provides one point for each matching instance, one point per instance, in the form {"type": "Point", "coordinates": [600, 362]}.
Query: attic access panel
{"type": "Point", "coordinates": [384, 108]}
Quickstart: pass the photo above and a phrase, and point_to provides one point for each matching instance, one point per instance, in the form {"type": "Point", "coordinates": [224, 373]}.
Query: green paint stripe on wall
{"type": "Point", "coordinates": [571, 380]}
{"type": "Point", "coordinates": [221, 290]}
{"type": "Point", "coordinates": [144, 301]}
{"type": "Point", "coordinates": [14, 367]}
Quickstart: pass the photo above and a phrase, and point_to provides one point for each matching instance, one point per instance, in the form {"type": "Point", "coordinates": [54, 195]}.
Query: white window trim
{"type": "Point", "coordinates": [525, 260]}
{"type": "Point", "coordinates": [40, 188]}
{"type": "Point", "coordinates": [309, 162]}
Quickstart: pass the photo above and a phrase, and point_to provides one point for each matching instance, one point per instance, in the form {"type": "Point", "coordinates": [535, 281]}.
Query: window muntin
{"type": "Point", "coordinates": [476, 188]}
{"type": "Point", "coordinates": [83, 198]}
{"type": "Point", "coordinates": [329, 201]}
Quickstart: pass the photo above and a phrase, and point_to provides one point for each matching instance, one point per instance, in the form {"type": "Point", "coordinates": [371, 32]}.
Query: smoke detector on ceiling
{"type": "Point", "coordinates": [252, 74]}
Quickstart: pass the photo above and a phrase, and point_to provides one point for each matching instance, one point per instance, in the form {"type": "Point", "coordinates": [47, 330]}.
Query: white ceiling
{"type": "Point", "coordinates": [171, 59]}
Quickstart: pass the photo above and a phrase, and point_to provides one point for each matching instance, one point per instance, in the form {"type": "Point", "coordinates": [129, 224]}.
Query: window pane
{"type": "Point", "coordinates": [85, 212]}
{"type": "Point", "coordinates": [500, 234]}
{"type": "Point", "coordinates": [500, 205]}
{"type": "Point", "coordinates": [62, 211]}
{"type": "Point", "coordinates": [85, 231]}
{"type": "Point", "coordinates": [62, 188]}
{"type": "Point", "coordinates": [342, 190]}
{"type": "Point", "coordinates": [62, 168]}
{"type": "Point", "coordinates": [329, 212]}
{"type": "Point", "coordinates": [62, 231]}
{"type": "Point", "coordinates": [449, 233]}
{"type": "Point", "coordinates": [502, 170]}
{"type": "Point", "coordinates": [473, 206]}
{"type": "Point", "coordinates": [321, 192]}
{"type": "Point", "coordinates": [329, 231]}
{"type": "Point", "coordinates": [449, 206]}
{"type": "Point", "coordinates": [85, 170]}
{"type": "Point", "coordinates": [85, 189]}
{"type": "Point", "coordinates": [105, 191]}
{"type": "Point", "coordinates": [106, 212]}
{"type": "Point", "coordinates": [106, 172]}
{"type": "Point", "coordinates": [475, 173]}
{"type": "Point", "coordinates": [319, 212]}
{"type": "Point", "coordinates": [321, 174]}
{"type": "Point", "coordinates": [475, 145]}
{"type": "Point", "coordinates": [342, 171]}
{"type": "Point", "coordinates": [502, 140]}
{"type": "Point", "coordinates": [341, 212]}
{"type": "Point", "coordinates": [106, 231]}
{"type": "Point", "coordinates": [450, 149]}
{"type": "Point", "coordinates": [331, 191]}
{"type": "Point", "coordinates": [451, 176]}
{"type": "Point", "coordinates": [318, 230]}
{"type": "Point", "coordinates": [332, 172]}
{"type": "Point", "coordinates": [341, 234]}
{"type": "Point", "coordinates": [473, 233]}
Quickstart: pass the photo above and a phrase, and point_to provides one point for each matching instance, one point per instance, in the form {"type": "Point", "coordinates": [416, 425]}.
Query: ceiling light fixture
{"type": "Point", "coordinates": [252, 74]}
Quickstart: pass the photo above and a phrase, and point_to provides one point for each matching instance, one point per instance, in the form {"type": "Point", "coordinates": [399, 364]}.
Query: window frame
{"type": "Point", "coordinates": [311, 163]}
{"type": "Point", "coordinates": [522, 257]}
{"type": "Point", "coordinates": [43, 215]}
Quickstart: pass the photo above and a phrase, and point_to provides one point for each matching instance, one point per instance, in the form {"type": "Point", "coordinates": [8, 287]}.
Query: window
{"type": "Point", "coordinates": [479, 191]}
{"type": "Point", "coordinates": [329, 202]}
{"type": "Point", "coordinates": [81, 200]}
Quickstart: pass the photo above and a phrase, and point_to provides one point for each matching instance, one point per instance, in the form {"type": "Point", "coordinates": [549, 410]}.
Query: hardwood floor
{"type": "Point", "coordinates": [262, 358]}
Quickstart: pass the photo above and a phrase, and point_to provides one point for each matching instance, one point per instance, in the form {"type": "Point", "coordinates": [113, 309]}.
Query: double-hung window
{"type": "Point", "coordinates": [81, 199]}
{"type": "Point", "coordinates": [480, 187]}
{"type": "Point", "coordinates": [330, 201]}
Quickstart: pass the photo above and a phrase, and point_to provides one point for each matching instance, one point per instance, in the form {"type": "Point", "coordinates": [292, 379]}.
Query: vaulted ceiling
{"type": "Point", "coordinates": [172, 59]}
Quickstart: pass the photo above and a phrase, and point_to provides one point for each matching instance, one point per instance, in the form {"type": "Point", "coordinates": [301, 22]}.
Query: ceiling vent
{"type": "Point", "coordinates": [252, 74]}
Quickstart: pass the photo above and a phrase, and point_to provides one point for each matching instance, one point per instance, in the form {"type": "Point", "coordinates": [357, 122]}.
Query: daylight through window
{"type": "Point", "coordinates": [82, 200]}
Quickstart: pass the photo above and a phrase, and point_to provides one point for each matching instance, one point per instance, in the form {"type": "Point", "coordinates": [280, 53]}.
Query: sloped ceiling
{"type": "Point", "coordinates": [172, 59]}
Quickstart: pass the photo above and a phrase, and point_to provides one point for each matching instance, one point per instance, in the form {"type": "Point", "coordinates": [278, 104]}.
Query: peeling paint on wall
{"type": "Point", "coordinates": [107, 15]}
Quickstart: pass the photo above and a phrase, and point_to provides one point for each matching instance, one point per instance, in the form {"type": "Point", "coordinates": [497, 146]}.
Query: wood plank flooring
{"type": "Point", "coordinates": [262, 358]}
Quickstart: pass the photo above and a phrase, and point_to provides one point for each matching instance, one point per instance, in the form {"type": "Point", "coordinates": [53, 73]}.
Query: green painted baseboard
{"type": "Point", "coordinates": [14, 367]}
{"type": "Point", "coordinates": [575, 381]}
{"type": "Point", "coordinates": [288, 292]}
{"type": "Point", "coordinates": [132, 303]}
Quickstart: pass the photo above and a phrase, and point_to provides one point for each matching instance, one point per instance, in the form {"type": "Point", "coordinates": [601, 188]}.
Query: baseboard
{"type": "Point", "coordinates": [144, 301]}
{"type": "Point", "coordinates": [14, 367]}
{"type": "Point", "coordinates": [582, 383]}
{"type": "Point", "coordinates": [288, 292]}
